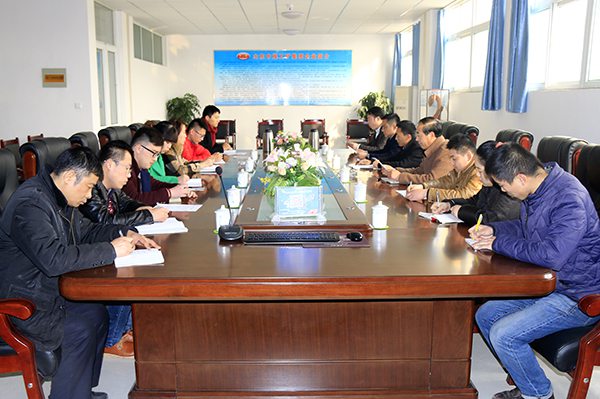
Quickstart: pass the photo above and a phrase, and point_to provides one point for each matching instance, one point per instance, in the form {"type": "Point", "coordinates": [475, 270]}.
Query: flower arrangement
{"type": "Point", "coordinates": [293, 162]}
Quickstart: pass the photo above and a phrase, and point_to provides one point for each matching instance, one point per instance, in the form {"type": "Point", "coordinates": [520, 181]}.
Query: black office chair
{"type": "Point", "coordinates": [13, 145]}
{"type": "Point", "coordinates": [450, 128]}
{"type": "Point", "coordinates": [588, 171]}
{"type": "Point", "coordinates": [9, 180]}
{"type": "Point", "coordinates": [521, 137]}
{"type": "Point", "coordinates": [134, 127]}
{"type": "Point", "coordinates": [18, 354]}
{"type": "Point", "coordinates": [226, 132]}
{"type": "Point", "coordinates": [357, 130]}
{"type": "Point", "coordinates": [114, 133]}
{"type": "Point", "coordinates": [560, 149]}
{"type": "Point", "coordinates": [39, 153]}
{"type": "Point", "coordinates": [86, 139]}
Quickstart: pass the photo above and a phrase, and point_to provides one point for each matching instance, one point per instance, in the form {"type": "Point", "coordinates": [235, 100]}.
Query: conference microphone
{"type": "Point", "coordinates": [230, 232]}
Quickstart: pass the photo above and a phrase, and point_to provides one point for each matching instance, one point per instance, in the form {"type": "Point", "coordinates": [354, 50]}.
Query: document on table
{"type": "Point", "coordinates": [141, 257]}
{"type": "Point", "coordinates": [470, 241]}
{"type": "Point", "coordinates": [169, 226]}
{"type": "Point", "coordinates": [401, 192]}
{"type": "Point", "coordinates": [357, 167]}
{"type": "Point", "coordinates": [209, 170]}
{"type": "Point", "coordinates": [442, 218]}
{"type": "Point", "coordinates": [180, 207]}
{"type": "Point", "coordinates": [229, 152]}
{"type": "Point", "coordinates": [219, 162]}
{"type": "Point", "coordinates": [194, 183]}
{"type": "Point", "coordinates": [391, 182]}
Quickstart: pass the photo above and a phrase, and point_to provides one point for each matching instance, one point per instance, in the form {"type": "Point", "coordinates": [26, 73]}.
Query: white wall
{"type": "Point", "coordinates": [45, 34]}
{"type": "Point", "coordinates": [190, 69]}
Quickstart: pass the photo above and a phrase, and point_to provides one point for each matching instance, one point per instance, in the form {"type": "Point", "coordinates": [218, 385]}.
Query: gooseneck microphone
{"type": "Point", "coordinates": [230, 232]}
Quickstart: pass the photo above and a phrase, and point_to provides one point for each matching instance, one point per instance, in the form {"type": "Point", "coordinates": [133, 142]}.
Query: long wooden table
{"type": "Point", "coordinates": [234, 321]}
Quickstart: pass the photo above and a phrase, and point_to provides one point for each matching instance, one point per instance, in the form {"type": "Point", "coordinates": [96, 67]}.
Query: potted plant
{"type": "Point", "coordinates": [183, 108]}
{"type": "Point", "coordinates": [371, 100]}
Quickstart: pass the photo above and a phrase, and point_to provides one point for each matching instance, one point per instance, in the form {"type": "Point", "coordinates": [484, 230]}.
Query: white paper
{"type": "Point", "coordinates": [141, 257]}
{"type": "Point", "coordinates": [391, 182]}
{"type": "Point", "coordinates": [180, 207]}
{"type": "Point", "coordinates": [362, 167]}
{"type": "Point", "coordinates": [194, 183]}
{"type": "Point", "coordinates": [401, 192]}
{"type": "Point", "coordinates": [209, 170]}
{"type": "Point", "coordinates": [442, 218]}
{"type": "Point", "coordinates": [229, 152]}
{"type": "Point", "coordinates": [171, 225]}
{"type": "Point", "coordinates": [219, 163]}
{"type": "Point", "coordinates": [470, 241]}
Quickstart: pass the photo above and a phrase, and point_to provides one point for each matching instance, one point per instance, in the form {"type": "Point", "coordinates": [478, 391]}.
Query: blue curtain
{"type": "Point", "coordinates": [396, 65]}
{"type": "Point", "coordinates": [437, 80]}
{"type": "Point", "coordinates": [516, 93]}
{"type": "Point", "coordinates": [415, 53]}
{"type": "Point", "coordinates": [491, 99]}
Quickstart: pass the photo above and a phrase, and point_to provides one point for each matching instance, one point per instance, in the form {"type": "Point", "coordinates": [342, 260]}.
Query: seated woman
{"type": "Point", "coordinates": [192, 149]}
{"type": "Point", "coordinates": [174, 162]}
{"type": "Point", "coordinates": [491, 202]}
{"type": "Point", "coordinates": [159, 169]}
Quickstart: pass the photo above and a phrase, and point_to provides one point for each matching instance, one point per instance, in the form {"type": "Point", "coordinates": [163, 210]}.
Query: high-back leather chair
{"type": "Point", "coordinates": [226, 132]}
{"type": "Point", "coordinates": [450, 128]}
{"type": "Point", "coordinates": [134, 127]}
{"type": "Point", "coordinates": [357, 130]}
{"type": "Point", "coordinates": [86, 139]}
{"type": "Point", "coordinates": [9, 180]}
{"type": "Point", "coordinates": [275, 125]}
{"type": "Point", "coordinates": [521, 137]}
{"type": "Point", "coordinates": [560, 149]}
{"type": "Point", "coordinates": [18, 354]}
{"type": "Point", "coordinates": [576, 350]}
{"type": "Point", "coordinates": [12, 145]}
{"type": "Point", "coordinates": [307, 125]}
{"type": "Point", "coordinates": [39, 153]}
{"type": "Point", "coordinates": [588, 171]}
{"type": "Point", "coordinates": [114, 133]}
{"type": "Point", "coordinates": [32, 137]}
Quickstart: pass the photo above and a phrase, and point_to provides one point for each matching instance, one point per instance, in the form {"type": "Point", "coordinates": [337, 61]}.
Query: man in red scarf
{"type": "Point", "coordinates": [211, 116]}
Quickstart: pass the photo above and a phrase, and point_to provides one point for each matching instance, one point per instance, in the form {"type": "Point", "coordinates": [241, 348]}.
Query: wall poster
{"type": "Point", "coordinates": [278, 77]}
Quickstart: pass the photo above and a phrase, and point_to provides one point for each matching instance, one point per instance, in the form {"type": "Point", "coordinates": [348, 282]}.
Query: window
{"type": "Point", "coordinates": [406, 46]}
{"type": "Point", "coordinates": [106, 63]}
{"type": "Point", "coordinates": [147, 46]}
{"type": "Point", "coordinates": [564, 43]}
{"type": "Point", "coordinates": [466, 27]}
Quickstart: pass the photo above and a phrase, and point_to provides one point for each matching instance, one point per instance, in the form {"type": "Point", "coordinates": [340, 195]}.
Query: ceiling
{"type": "Point", "coordinates": [203, 17]}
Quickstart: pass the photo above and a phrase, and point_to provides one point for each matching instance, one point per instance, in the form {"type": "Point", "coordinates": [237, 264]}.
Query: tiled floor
{"type": "Point", "coordinates": [118, 377]}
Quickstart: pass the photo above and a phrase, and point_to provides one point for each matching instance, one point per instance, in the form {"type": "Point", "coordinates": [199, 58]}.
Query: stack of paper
{"type": "Point", "coordinates": [194, 183]}
{"type": "Point", "coordinates": [401, 192]}
{"type": "Point", "coordinates": [209, 170]}
{"type": "Point", "coordinates": [180, 207]}
{"type": "Point", "coordinates": [141, 257]}
{"type": "Point", "coordinates": [169, 226]}
{"type": "Point", "coordinates": [219, 162]}
{"type": "Point", "coordinates": [442, 218]}
{"type": "Point", "coordinates": [229, 152]}
{"type": "Point", "coordinates": [357, 167]}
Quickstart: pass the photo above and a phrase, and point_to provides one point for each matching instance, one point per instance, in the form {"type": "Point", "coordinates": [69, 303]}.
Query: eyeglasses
{"type": "Point", "coordinates": [154, 153]}
{"type": "Point", "coordinates": [199, 132]}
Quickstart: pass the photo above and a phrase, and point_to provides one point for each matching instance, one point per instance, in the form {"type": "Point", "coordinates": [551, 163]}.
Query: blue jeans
{"type": "Point", "coordinates": [509, 326]}
{"type": "Point", "coordinates": [119, 322]}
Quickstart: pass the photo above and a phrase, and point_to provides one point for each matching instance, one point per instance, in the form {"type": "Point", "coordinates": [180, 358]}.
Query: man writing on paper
{"type": "Point", "coordinates": [108, 203]}
{"type": "Point", "coordinates": [42, 236]}
{"type": "Point", "coordinates": [462, 181]}
{"type": "Point", "coordinates": [437, 161]}
{"type": "Point", "coordinates": [558, 229]}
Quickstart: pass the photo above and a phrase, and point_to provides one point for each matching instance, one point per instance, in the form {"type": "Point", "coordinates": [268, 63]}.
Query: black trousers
{"type": "Point", "coordinates": [86, 325]}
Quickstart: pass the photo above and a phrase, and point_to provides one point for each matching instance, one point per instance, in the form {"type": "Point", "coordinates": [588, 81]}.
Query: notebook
{"type": "Point", "coordinates": [442, 218]}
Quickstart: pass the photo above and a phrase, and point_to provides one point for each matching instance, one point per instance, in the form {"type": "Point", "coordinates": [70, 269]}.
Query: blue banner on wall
{"type": "Point", "coordinates": [300, 77]}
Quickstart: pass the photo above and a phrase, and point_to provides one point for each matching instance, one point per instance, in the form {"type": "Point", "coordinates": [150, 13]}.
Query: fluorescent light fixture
{"type": "Point", "coordinates": [290, 13]}
{"type": "Point", "coordinates": [291, 32]}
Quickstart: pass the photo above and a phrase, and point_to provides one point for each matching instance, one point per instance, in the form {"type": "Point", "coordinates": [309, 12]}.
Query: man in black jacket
{"type": "Point", "coordinates": [109, 204]}
{"type": "Point", "coordinates": [377, 139]}
{"type": "Point", "coordinates": [42, 235]}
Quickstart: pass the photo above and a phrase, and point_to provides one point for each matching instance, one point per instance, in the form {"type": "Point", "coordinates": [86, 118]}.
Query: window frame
{"type": "Point", "coordinates": [153, 35]}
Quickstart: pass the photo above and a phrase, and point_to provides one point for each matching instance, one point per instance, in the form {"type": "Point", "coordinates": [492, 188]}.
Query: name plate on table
{"type": "Point", "coordinates": [293, 202]}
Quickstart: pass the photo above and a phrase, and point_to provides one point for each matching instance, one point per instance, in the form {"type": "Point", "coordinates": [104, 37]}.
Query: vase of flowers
{"type": "Point", "coordinates": [293, 162]}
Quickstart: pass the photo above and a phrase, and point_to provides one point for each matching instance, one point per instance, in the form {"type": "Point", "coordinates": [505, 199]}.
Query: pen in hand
{"type": "Point", "coordinates": [479, 219]}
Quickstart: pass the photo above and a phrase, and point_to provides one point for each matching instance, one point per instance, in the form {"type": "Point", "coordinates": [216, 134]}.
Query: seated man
{"type": "Point", "coordinates": [146, 145]}
{"type": "Point", "coordinates": [437, 161]}
{"type": "Point", "coordinates": [193, 151]}
{"type": "Point", "coordinates": [462, 181]}
{"type": "Point", "coordinates": [490, 202]}
{"type": "Point", "coordinates": [377, 139]}
{"type": "Point", "coordinates": [42, 235]}
{"type": "Point", "coordinates": [558, 229]}
{"type": "Point", "coordinates": [174, 163]}
{"type": "Point", "coordinates": [391, 147]}
{"type": "Point", "coordinates": [409, 153]}
{"type": "Point", "coordinates": [109, 204]}
{"type": "Point", "coordinates": [211, 115]}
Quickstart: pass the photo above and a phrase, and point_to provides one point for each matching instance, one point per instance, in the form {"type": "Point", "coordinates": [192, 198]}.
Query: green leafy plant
{"type": "Point", "coordinates": [371, 100]}
{"type": "Point", "coordinates": [183, 108]}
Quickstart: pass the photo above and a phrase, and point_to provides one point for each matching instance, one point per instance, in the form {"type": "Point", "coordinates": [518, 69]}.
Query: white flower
{"type": "Point", "coordinates": [281, 171]}
{"type": "Point", "coordinates": [291, 161]}
{"type": "Point", "coordinates": [271, 168]}
{"type": "Point", "coordinates": [304, 166]}
{"type": "Point", "coordinates": [297, 147]}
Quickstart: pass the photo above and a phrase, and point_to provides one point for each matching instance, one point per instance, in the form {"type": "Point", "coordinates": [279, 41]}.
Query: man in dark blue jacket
{"type": "Point", "coordinates": [42, 235]}
{"type": "Point", "coordinates": [558, 229]}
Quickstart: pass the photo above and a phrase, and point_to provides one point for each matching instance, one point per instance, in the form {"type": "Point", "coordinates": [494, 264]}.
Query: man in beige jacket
{"type": "Point", "coordinates": [437, 161]}
{"type": "Point", "coordinates": [462, 182]}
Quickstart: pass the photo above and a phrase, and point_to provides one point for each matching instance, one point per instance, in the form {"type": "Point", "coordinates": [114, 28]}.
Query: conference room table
{"type": "Point", "coordinates": [389, 318]}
